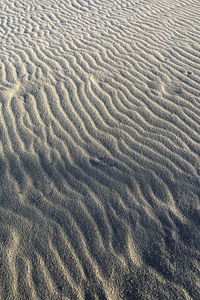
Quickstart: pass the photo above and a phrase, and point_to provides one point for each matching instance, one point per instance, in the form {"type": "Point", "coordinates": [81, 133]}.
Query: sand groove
{"type": "Point", "coordinates": [99, 149]}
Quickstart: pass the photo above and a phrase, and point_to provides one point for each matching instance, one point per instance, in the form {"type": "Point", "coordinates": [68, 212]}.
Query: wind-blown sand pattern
{"type": "Point", "coordinates": [100, 149]}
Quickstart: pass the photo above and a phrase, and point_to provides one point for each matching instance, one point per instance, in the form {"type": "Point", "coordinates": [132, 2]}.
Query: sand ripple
{"type": "Point", "coordinates": [100, 149]}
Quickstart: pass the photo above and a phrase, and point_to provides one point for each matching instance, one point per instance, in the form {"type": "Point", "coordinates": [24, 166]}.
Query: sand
{"type": "Point", "coordinates": [99, 149]}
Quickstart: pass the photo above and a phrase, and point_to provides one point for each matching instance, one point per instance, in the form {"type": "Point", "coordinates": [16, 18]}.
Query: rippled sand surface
{"type": "Point", "coordinates": [99, 150]}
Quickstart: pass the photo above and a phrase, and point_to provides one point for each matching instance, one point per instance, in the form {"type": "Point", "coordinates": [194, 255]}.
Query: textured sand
{"type": "Point", "coordinates": [99, 149]}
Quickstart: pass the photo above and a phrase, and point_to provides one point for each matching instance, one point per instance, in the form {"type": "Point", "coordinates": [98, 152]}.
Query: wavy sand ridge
{"type": "Point", "coordinates": [100, 148]}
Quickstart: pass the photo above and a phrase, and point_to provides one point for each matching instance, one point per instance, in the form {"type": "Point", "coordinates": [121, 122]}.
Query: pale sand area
{"type": "Point", "coordinates": [99, 149]}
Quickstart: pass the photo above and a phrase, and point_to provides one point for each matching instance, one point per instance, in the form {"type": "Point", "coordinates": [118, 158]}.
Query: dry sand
{"type": "Point", "coordinates": [99, 149]}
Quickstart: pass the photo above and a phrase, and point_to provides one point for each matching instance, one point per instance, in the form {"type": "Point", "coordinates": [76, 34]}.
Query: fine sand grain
{"type": "Point", "coordinates": [99, 149]}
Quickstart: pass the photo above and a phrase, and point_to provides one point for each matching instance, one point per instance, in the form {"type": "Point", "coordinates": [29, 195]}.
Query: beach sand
{"type": "Point", "coordinates": [99, 150]}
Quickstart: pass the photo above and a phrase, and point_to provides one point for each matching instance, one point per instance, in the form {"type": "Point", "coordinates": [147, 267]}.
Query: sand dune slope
{"type": "Point", "coordinates": [99, 149]}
